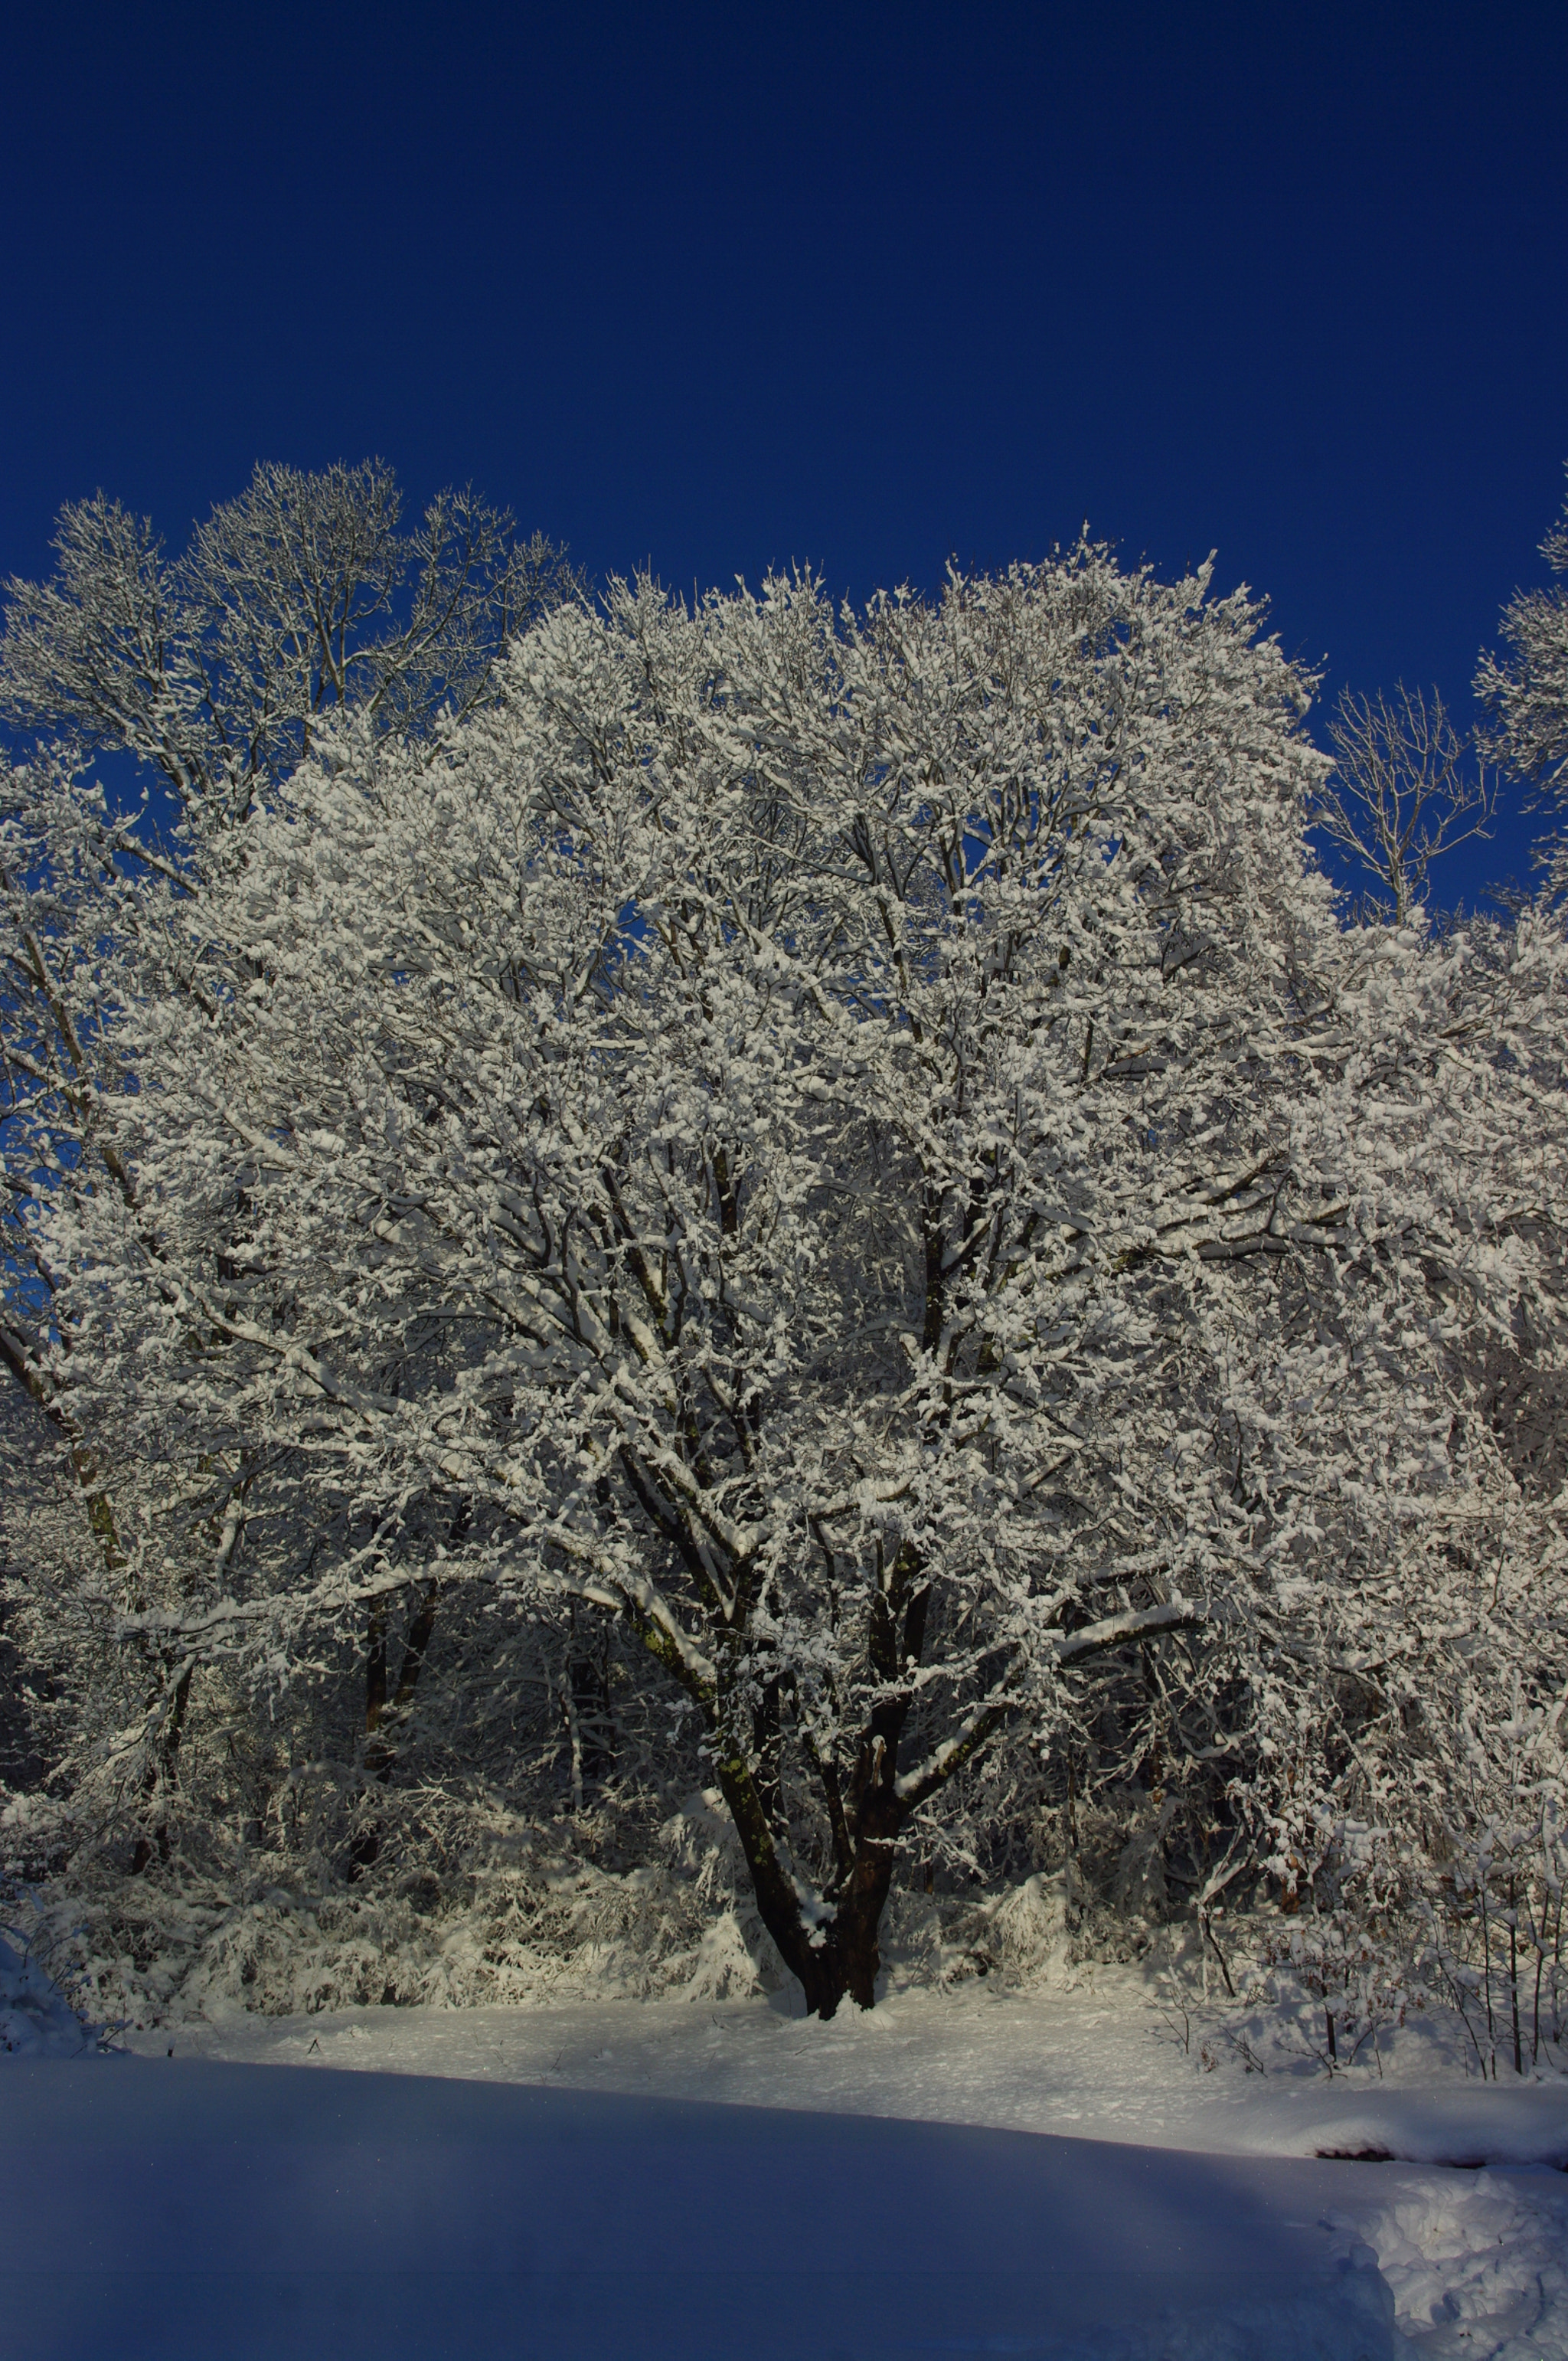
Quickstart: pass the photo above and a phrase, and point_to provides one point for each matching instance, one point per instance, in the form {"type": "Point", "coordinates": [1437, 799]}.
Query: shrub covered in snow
{"type": "Point", "coordinates": [36, 2017]}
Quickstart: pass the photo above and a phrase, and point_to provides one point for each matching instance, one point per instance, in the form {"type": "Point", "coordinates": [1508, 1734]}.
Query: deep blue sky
{"type": "Point", "coordinates": [859, 285]}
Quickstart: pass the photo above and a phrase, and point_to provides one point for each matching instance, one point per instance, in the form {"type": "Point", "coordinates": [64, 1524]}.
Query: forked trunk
{"type": "Point", "coordinates": [841, 1955]}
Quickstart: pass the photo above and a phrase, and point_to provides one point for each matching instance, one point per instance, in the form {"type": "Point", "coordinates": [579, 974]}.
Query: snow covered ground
{"type": "Point", "coordinates": [1100, 2060]}
{"type": "Point", "coordinates": [1059, 2173]}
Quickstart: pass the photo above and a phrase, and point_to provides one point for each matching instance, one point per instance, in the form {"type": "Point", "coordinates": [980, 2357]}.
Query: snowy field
{"type": "Point", "coordinates": [1059, 2174]}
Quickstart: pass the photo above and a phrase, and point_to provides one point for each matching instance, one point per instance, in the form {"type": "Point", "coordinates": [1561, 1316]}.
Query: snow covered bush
{"type": "Point", "coordinates": [1493, 1906]}
{"type": "Point", "coordinates": [37, 2017]}
{"type": "Point", "coordinates": [520, 1913]}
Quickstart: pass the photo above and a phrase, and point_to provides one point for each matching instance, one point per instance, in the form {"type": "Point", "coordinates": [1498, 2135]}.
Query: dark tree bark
{"type": "Point", "coordinates": [382, 1714]}
{"type": "Point", "coordinates": [162, 1769]}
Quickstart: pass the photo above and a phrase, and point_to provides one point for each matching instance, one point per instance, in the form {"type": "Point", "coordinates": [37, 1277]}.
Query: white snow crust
{"type": "Point", "coordinates": [1068, 2174]}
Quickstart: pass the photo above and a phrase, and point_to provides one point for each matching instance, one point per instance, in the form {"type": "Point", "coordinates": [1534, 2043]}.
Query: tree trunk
{"type": "Point", "coordinates": [153, 1843]}
{"type": "Point", "coordinates": [382, 1713]}
{"type": "Point", "coordinates": [841, 1954]}
{"type": "Point", "coordinates": [861, 1907]}
{"type": "Point", "coordinates": [367, 1845]}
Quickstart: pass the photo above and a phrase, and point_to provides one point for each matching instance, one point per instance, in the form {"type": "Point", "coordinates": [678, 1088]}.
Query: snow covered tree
{"type": "Point", "coordinates": [1400, 794]}
{"type": "Point", "coordinates": [301, 597]}
{"type": "Point", "coordinates": [1526, 689]}
{"type": "Point", "coordinates": [298, 598]}
{"type": "Point", "coordinates": [854, 1145]}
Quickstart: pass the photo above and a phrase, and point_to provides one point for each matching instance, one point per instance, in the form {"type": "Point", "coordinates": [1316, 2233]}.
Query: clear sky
{"type": "Point", "coordinates": [858, 285]}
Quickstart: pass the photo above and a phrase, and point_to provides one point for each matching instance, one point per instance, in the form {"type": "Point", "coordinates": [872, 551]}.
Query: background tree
{"type": "Point", "coordinates": [1401, 792]}
{"type": "Point", "coordinates": [302, 597]}
{"type": "Point", "coordinates": [1526, 688]}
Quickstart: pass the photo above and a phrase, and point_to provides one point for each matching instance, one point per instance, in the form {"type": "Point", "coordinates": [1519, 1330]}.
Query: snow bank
{"type": "Point", "coordinates": [1476, 2264]}
{"type": "Point", "coordinates": [1477, 2124]}
{"type": "Point", "coordinates": [182, 2208]}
